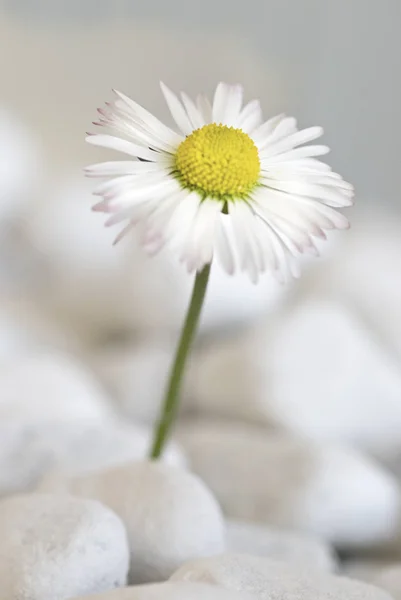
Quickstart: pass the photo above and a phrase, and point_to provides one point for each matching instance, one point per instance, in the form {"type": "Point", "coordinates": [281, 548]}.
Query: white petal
{"type": "Point", "coordinates": [327, 194]}
{"type": "Point", "coordinates": [115, 143]}
{"type": "Point", "coordinates": [123, 233]}
{"type": "Point", "coordinates": [198, 249]}
{"type": "Point", "coordinates": [193, 112]}
{"type": "Point", "coordinates": [250, 117]}
{"type": "Point", "coordinates": [150, 121]}
{"type": "Point", "coordinates": [249, 222]}
{"type": "Point", "coordinates": [288, 268]}
{"type": "Point", "coordinates": [124, 167]}
{"type": "Point", "coordinates": [135, 212]}
{"type": "Point", "coordinates": [125, 183]}
{"type": "Point", "coordinates": [224, 250]}
{"type": "Point", "coordinates": [295, 225]}
{"type": "Point", "coordinates": [122, 121]}
{"type": "Point", "coordinates": [154, 233]}
{"type": "Point", "coordinates": [251, 259]}
{"type": "Point", "coordinates": [296, 139]}
{"type": "Point", "coordinates": [133, 196]}
{"type": "Point", "coordinates": [266, 129]}
{"type": "Point", "coordinates": [227, 104]}
{"type": "Point", "coordinates": [177, 110]}
{"type": "Point", "coordinates": [205, 108]}
{"type": "Point", "coordinates": [182, 219]}
{"type": "Point", "coordinates": [297, 153]}
{"type": "Point", "coordinates": [285, 127]}
{"type": "Point", "coordinates": [286, 228]}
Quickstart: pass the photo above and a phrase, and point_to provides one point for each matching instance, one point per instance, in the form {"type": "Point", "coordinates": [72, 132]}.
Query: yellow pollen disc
{"type": "Point", "coordinates": [218, 161]}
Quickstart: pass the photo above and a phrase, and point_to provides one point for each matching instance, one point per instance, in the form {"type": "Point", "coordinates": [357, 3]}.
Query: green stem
{"type": "Point", "coordinates": [171, 399]}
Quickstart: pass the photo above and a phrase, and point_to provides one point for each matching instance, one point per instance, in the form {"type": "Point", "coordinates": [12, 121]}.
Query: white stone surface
{"type": "Point", "coordinates": [330, 491]}
{"type": "Point", "coordinates": [315, 370]}
{"type": "Point", "coordinates": [135, 375]}
{"type": "Point", "coordinates": [366, 568]}
{"type": "Point", "coordinates": [19, 165]}
{"type": "Point", "coordinates": [170, 590]}
{"type": "Point", "coordinates": [170, 515]}
{"type": "Point", "coordinates": [384, 573]}
{"type": "Point", "coordinates": [57, 547]}
{"type": "Point", "coordinates": [266, 579]}
{"type": "Point", "coordinates": [48, 387]}
{"type": "Point", "coordinates": [389, 578]}
{"type": "Point", "coordinates": [26, 329]}
{"type": "Point", "coordinates": [83, 448]}
{"type": "Point", "coordinates": [280, 544]}
{"type": "Point", "coordinates": [97, 288]}
{"type": "Point", "coordinates": [27, 452]}
{"type": "Point", "coordinates": [365, 274]}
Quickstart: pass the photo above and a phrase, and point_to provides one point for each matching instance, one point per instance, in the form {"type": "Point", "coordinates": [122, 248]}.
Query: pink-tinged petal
{"type": "Point", "coordinates": [120, 145]}
{"type": "Point", "coordinates": [151, 122]}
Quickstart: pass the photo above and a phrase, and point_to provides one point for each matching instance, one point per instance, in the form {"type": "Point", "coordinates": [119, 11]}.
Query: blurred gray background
{"type": "Point", "coordinates": [330, 62]}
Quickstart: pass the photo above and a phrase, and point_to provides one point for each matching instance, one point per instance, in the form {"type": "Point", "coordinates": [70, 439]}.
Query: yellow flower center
{"type": "Point", "coordinates": [218, 161]}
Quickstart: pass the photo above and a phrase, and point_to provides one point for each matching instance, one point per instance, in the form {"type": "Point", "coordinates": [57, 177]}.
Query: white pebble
{"type": "Point", "coordinates": [315, 370]}
{"type": "Point", "coordinates": [169, 590]}
{"type": "Point", "coordinates": [136, 376]}
{"type": "Point", "coordinates": [280, 544]}
{"type": "Point", "coordinates": [48, 387]}
{"type": "Point", "coordinates": [57, 547]}
{"type": "Point", "coordinates": [19, 165]}
{"type": "Point", "coordinates": [27, 452]}
{"type": "Point", "coordinates": [170, 515]}
{"type": "Point", "coordinates": [97, 288]}
{"type": "Point", "coordinates": [26, 329]}
{"type": "Point", "coordinates": [266, 579]}
{"type": "Point", "coordinates": [384, 573]}
{"type": "Point", "coordinates": [333, 492]}
{"type": "Point", "coordinates": [364, 274]}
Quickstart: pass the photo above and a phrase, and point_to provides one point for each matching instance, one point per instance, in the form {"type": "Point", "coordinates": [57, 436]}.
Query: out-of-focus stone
{"type": "Point", "coordinates": [326, 490]}
{"type": "Point", "coordinates": [315, 370]}
{"type": "Point", "coordinates": [56, 547]}
{"type": "Point", "coordinates": [170, 515]}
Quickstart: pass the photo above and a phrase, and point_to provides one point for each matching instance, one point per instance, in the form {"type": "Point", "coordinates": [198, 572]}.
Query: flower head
{"type": "Point", "coordinates": [227, 184]}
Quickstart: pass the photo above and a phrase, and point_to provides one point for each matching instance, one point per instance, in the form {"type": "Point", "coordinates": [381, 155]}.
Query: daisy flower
{"type": "Point", "coordinates": [226, 184]}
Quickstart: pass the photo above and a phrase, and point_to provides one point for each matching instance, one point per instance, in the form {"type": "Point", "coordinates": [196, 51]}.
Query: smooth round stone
{"type": "Point", "coordinates": [280, 480]}
{"type": "Point", "coordinates": [389, 578]}
{"type": "Point", "coordinates": [315, 369]}
{"type": "Point", "coordinates": [267, 579]}
{"type": "Point", "coordinates": [135, 375]}
{"type": "Point", "coordinates": [26, 329]}
{"type": "Point", "coordinates": [170, 515]}
{"type": "Point", "coordinates": [169, 590]}
{"type": "Point", "coordinates": [369, 247]}
{"type": "Point", "coordinates": [366, 568]}
{"type": "Point", "coordinates": [85, 448]}
{"type": "Point", "coordinates": [49, 387]}
{"type": "Point", "coordinates": [280, 544]}
{"type": "Point", "coordinates": [54, 547]}
{"type": "Point", "coordinates": [19, 166]}
{"type": "Point", "coordinates": [384, 573]}
{"type": "Point", "coordinates": [27, 452]}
